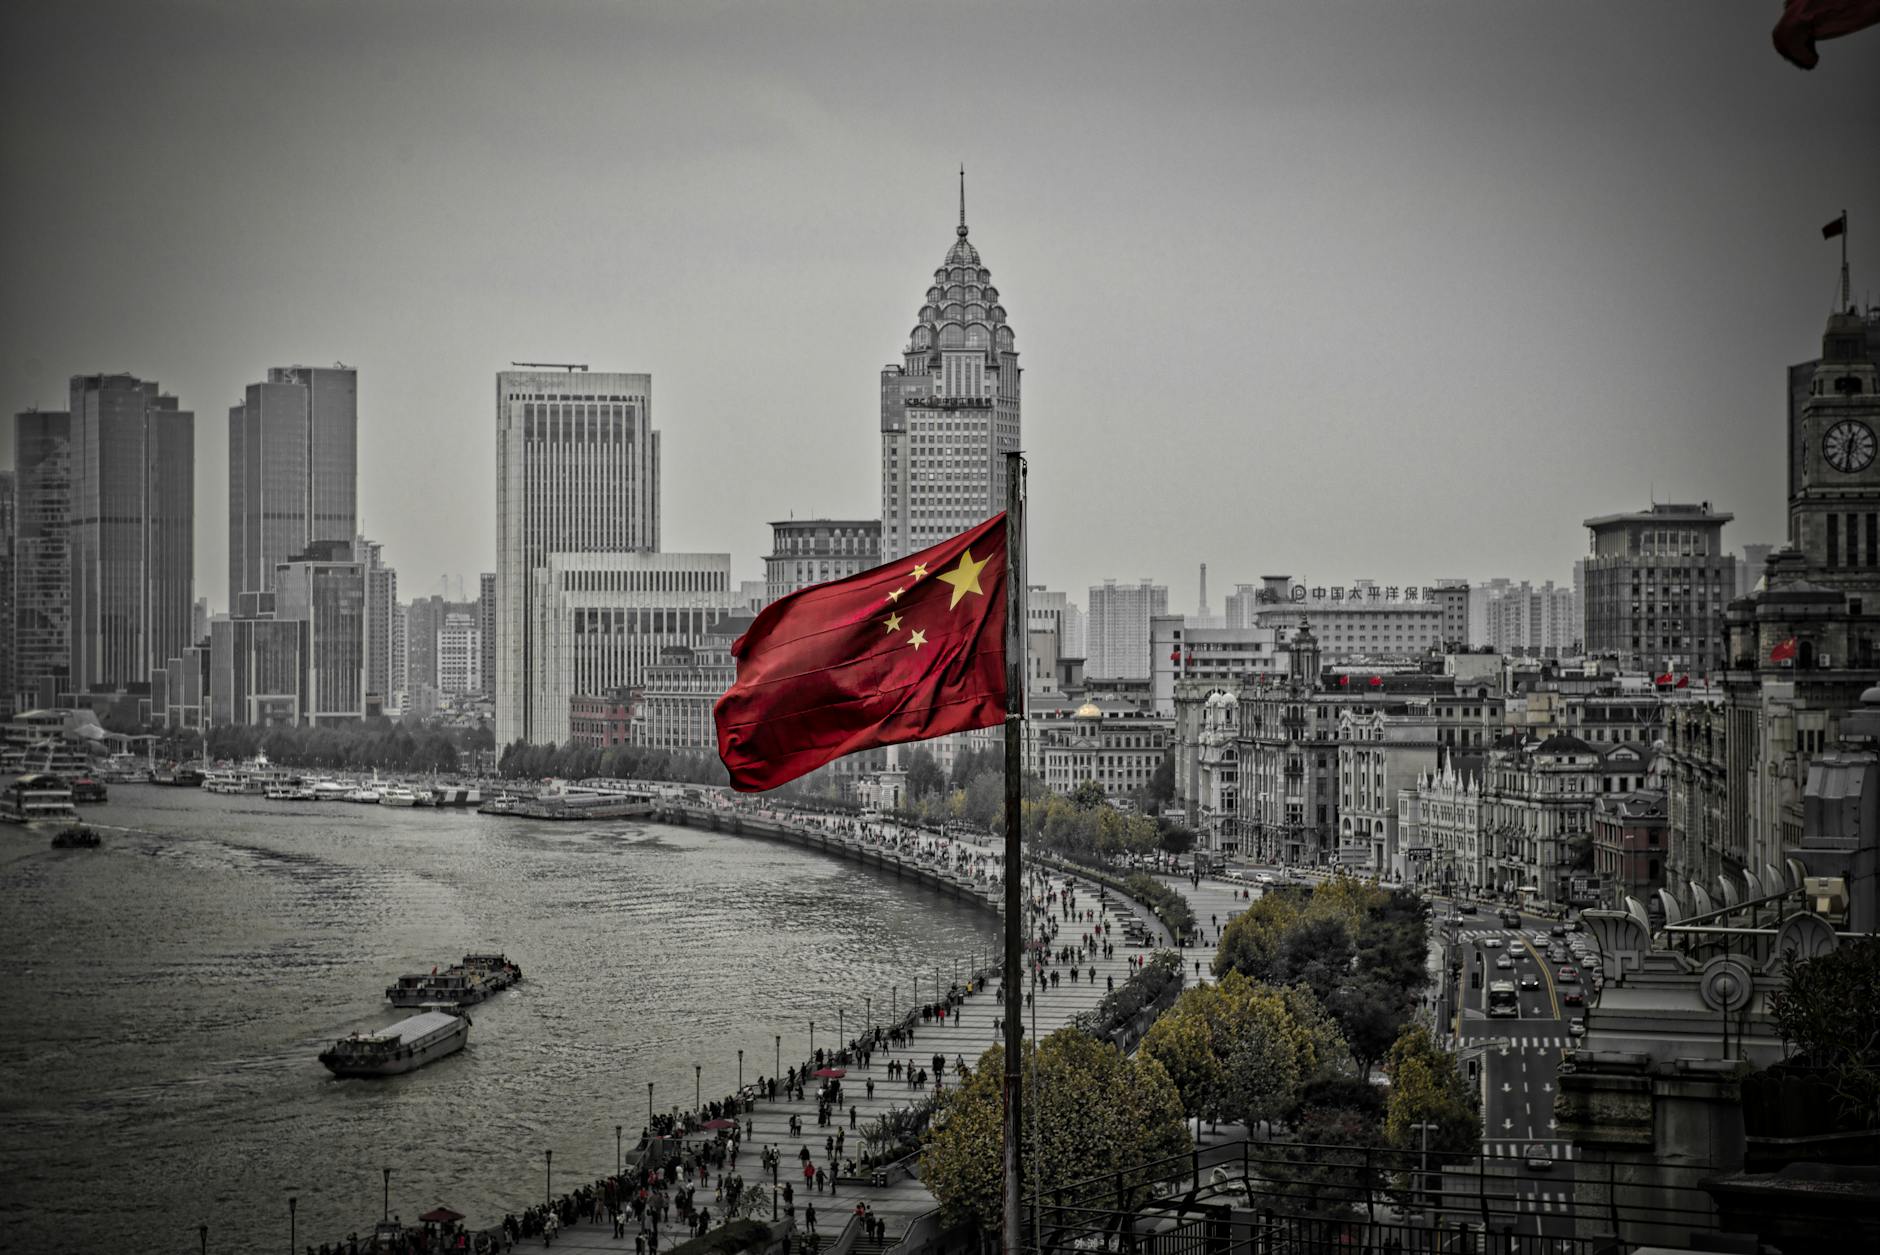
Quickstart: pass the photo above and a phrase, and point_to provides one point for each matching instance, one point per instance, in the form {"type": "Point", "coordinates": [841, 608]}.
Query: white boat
{"type": "Point", "coordinates": [283, 793]}
{"type": "Point", "coordinates": [403, 1047]}
{"type": "Point", "coordinates": [34, 797]}
{"type": "Point", "coordinates": [367, 793]}
{"type": "Point", "coordinates": [328, 791]}
{"type": "Point", "coordinates": [397, 795]}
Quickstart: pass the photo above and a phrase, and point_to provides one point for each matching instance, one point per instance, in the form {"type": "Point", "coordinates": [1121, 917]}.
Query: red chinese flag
{"type": "Point", "coordinates": [1783, 651]}
{"type": "Point", "coordinates": [1377, 681]}
{"type": "Point", "coordinates": [1805, 21]}
{"type": "Point", "coordinates": [1684, 681]}
{"type": "Point", "coordinates": [908, 651]}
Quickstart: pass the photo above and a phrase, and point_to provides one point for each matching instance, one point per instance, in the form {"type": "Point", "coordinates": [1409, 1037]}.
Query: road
{"type": "Point", "coordinates": [1520, 1064]}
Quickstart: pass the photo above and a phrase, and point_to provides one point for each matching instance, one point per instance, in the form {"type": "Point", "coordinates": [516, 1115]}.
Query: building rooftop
{"type": "Point", "coordinates": [1664, 512]}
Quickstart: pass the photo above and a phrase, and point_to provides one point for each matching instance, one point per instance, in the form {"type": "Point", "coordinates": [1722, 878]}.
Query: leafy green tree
{"type": "Point", "coordinates": [924, 777]}
{"type": "Point", "coordinates": [1251, 940]}
{"type": "Point", "coordinates": [1425, 1088]}
{"type": "Point", "coordinates": [1099, 1115]}
{"type": "Point", "coordinates": [1088, 796]}
{"type": "Point", "coordinates": [1315, 952]}
{"type": "Point", "coordinates": [1162, 783]}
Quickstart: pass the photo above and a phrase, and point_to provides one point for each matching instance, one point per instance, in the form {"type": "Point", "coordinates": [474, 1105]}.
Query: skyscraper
{"type": "Point", "coordinates": [1657, 581]}
{"type": "Point", "coordinates": [950, 409]}
{"type": "Point", "coordinates": [9, 525]}
{"type": "Point", "coordinates": [577, 471]}
{"type": "Point", "coordinates": [42, 558]}
{"type": "Point", "coordinates": [381, 606]}
{"type": "Point", "coordinates": [486, 631]}
{"type": "Point", "coordinates": [293, 469]}
{"type": "Point", "coordinates": [1116, 629]}
{"type": "Point", "coordinates": [132, 531]}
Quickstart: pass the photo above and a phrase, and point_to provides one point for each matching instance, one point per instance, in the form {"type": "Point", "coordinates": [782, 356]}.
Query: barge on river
{"type": "Point", "coordinates": [463, 984]}
{"type": "Point", "coordinates": [403, 1047]}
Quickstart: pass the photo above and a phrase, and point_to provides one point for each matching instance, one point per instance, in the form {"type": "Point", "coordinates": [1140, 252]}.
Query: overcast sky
{"type": "Point", "coordinates": [1390, 290]}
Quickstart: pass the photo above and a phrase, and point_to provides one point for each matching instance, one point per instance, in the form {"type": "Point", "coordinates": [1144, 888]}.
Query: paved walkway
{"type": "Point", "coordinates": [966, 1036]}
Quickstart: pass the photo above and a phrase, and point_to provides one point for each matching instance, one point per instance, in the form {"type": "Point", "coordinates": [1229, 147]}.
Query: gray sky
{"type": "Point", "coordinates": [1387, 290]}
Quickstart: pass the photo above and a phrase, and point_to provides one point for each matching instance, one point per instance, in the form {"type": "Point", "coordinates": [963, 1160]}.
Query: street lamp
{"type": "Point", "coordinates": [842, 1028]}
{"type": "Point", "coordinates": [698, 1101]}
{"type": "Point", "coordinates": [812, 1039]}
{"type": "Point", "coordinates": [548, 1178]}
{"type": "Point", "coordinates": [894, 1003]}
{"type": "Point", "coordinates": [388, 1193]}
{"type": "Point", "coordinates": [868, 1010]}
{"type": "Point", "coordinates": [649, 1109]}
{"type": "Point", "coordinates": [293, 1231]}
{"type": "Point", "coordinates": [202, 1231]}
{"type": "Point", "coordinates": [618, 1159]}
{"type": "Point", "coordinates": [777, 1067]}
{"type": "Point", "coordinates": [740, 1071]}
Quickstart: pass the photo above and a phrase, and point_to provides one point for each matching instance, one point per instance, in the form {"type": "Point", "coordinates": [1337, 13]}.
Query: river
{"type": "Point", "coordinates": [165, 997]}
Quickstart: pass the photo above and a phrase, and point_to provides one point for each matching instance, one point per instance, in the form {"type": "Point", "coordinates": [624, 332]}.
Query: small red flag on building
{"type": "Point", "coordinates": [1837, 227]}
{"type": "Point", "coordinates": [1664, 680]}
{"type": "Point", "coordinates": [1377, 681]}
{"type": "Point", "coordinates": [908, 651]}
{"type": "Point", "coordinates": [1783, 651]}
{"type": "Point", "coordinates": [1684, 681]}
{"type": "Point", "coordinates": [1175, 656]}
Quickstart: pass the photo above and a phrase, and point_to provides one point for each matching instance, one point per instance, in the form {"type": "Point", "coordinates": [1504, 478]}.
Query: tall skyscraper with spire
{"type": "Point", "coordinates": [950, 408]}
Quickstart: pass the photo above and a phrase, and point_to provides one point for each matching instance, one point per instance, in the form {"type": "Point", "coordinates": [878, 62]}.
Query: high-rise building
{"type": "Point", "coordinates": [199, 621]}
{"type": "Point", "coordinates": [949, 409]}
{"type": "Point", "coordinates": [381, 608]}
{"type": "Point", "coordinates": [293, 469]}
{"type": "Point", "coordinates": [601, 619]}
{"type": "Point", "coordinates": [132, 531]}
{"type": "Point", "coordinates": [1055, 612]}
{"type": "Point", "coordinates": [9, 527]}
{"type": "Point", "coordinates": [1116, 629]}
{"type": "Point", "coordinates": [486, 627]}
{"type": "Point", "coordinates": [1523, 619]}
{"type": "Point", "coordinates": [324, 588]}
{"type": "Point", "coordinates": [459, 655]}
{"type": "Point", "coordinates": [1656, 585]}
{"type": "Point", "coordinates": [395, 699]}
{"type": "Point", "coordinates": [42, 560]}
{"type": "Point", "coordinates": [577, 472]}
{"type": "Point", "coordinates": [814, 551]}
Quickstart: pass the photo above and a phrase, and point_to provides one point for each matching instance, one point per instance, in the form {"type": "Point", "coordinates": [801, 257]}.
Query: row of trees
{"type": "Point", "coordinates": [521, 761]}
{"type": "Point", "coordinates": [1361, 949]}
{"type": "Point", "coordinates": [372, 744]}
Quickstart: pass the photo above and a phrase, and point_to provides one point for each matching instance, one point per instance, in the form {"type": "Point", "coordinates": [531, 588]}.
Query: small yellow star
{"type": "Point", "coordinates": [964, 578]}
{"type": "Point", "coordinates": [894, 622]}
{"type": "Point", "coordinates": [917, 638]}
{"type": "Point", "coordinates": [896, 594]}
{"type": "Point", "coordinates": [920, 570]}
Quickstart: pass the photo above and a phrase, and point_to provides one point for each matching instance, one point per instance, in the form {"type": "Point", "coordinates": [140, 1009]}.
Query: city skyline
{"type": "Point", "coordinates": [1422, 299]}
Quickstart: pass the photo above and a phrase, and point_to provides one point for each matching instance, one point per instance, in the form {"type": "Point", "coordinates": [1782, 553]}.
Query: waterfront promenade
{"type": "Point", "coordinates": [965, 866]}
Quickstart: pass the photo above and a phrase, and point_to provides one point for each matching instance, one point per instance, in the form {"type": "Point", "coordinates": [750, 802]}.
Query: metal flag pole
{"type": "Point", "coordinates": [1012, 1234]}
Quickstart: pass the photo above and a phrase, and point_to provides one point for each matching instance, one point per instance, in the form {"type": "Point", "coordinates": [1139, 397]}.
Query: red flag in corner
{"type": "Point", "coordinates": [1805, 21]}
{"type": "Point", "coordinates": [908, 651]}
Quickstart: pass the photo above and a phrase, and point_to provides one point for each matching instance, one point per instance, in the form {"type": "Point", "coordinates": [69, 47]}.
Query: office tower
{"type": "Point", "coordinates": [1116, 629]}
{"type": "Point", "coordinates": [199, 621]}
{"type": "Point", "coordinates": [381, 585]}
{"type": "Point", "coordinates": [577, 472]}
{"type": "Point", "coordinates": [293, 469]}
{"type": "Point", "coordinates": [1656, 585]}
{"type": "Point", "coordinates": [459, 655]}
{"type": "Point", "coordinates": [395, 699]}
{"type": "Point", "coordinates": [324, 588]}
{"type": "Point", "coordinates": [132, 531]}
{"type": "Point", "coordinates": [486, 629]}
{"type": "Point", "coordinates": [42, 560]}
{"type": "Point", "coordinates": [950, 409]}
{"type": "Point", "coordinates": [9, 528]}
{"type": "Point", "coordinates": [1048, 611]}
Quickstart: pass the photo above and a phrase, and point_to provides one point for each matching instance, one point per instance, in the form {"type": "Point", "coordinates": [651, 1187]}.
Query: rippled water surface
{"type": "Point", "coordinates": [165, 997]}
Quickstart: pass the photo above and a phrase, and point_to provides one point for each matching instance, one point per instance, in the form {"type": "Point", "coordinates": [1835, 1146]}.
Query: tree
{"type": "Point", "coordinates": [1174, 838]}
{"type": "Point", "coordinates": [1260, 1075]}
{"type": "Point", "coordinates": [1099, 1115]}
{"type": "Point", "coordinates": [1829, 1015]}
{"type": "Point", "coordinates": [1251, 939]}
{"type": "Point", "coordinates": [1162, 783]}
{"type": "Point", "coordinates": [924, 776]}
{"type": "Point", "coordinates": [1088, 796]}
{"type": "Point", "coordinates": [1425, 1088]}
{"type": "Point", "coordinates": [1371, 1015]}
{"type": "Point", "coordinates": [1316, 953]}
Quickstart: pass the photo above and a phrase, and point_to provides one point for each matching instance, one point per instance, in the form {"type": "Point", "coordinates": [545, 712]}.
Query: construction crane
{"type": "Point", "coordinates": [550, 365]}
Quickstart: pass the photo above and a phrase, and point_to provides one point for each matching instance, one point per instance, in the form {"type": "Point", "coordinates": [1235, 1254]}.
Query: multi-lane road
{"type": "Point", "coordinates": [1528, 1166]}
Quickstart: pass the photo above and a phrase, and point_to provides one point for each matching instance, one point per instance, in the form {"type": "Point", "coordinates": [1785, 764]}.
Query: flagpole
{"type": "Point", "coordinates": [1013, 1233]}
{"type": "Point", "coordinates": [1847, 297]}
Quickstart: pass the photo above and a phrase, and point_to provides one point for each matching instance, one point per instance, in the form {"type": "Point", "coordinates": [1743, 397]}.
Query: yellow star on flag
{"type": "Point", "coordinates": [917, 638]}
{"type": "Point", "coordinates": [964, 578]}
{"type": "Point", "coordinates": [896, 594]}
{"type": "Point", "coordinates": [920, 570]}
{"type": "Point", "coordinates": [893, 622]}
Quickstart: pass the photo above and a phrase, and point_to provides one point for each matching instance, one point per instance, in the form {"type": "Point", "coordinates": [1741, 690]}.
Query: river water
{"type": "Point", "coordinates": [165, 996]}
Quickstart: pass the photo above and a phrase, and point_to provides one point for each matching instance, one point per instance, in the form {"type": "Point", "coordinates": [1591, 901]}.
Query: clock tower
{"type": "Point", "coordinates": [1834, 505]}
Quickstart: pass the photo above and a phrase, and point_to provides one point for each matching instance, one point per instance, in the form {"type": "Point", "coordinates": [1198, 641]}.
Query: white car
{"type": "Point", "coordinates": [1492, 943]}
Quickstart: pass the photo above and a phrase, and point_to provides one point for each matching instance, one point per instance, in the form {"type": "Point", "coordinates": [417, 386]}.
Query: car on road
{"type": "Point", "coordinates": [1264, 878]}
{"type": "Point", "coordinates": [1567, 976]}
{"type": "Point", "coordinates": [1503, 962]}
{"type": "Point", "coordinates": [1511, 919]}
{"type": "Point", "coordinates": [1558, 930]}
{"type": "Point", "coordinates": [1537, 1157]}
{"type": "Point", "coordinates": [1530, 981]}
{"type": "Point", "coordinates": [1573, 998]}
{"type": "Point", "coordinates": [1467, 908]}
{"type": "Point", "coordinates": [1557, 954]}
{"type": "Point", "coordinates": [1576, 1027]}
{"type": "Point", "coordinates": [1492, 943]}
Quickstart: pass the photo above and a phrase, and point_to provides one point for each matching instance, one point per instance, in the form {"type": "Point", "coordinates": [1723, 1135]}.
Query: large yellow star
{"type": "Point", "coordinates": [893, 622]}
{"type": "Point", "coordinates": [917, 638]}
{"type": "Point", "coordinates": [964, 578]}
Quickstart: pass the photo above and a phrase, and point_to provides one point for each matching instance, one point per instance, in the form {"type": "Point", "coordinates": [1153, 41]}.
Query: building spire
{"type": "Point", "coordinates": [962, 200]}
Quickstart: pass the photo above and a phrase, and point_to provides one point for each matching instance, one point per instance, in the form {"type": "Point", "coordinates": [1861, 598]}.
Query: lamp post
{"type": "Point", "coordinates": [777, 1067]}
{"type": "Point", "coordinates": [894, 1003]}
{"type": "Point", "coordinates": [842, 1028]}
{"type": "Point", "coordinates": [868, 1011]}
{"type": "Point", "coordinates": [293, 1229]}
{"type": "Point", "coordinates": [618, 1159]}
{"type": "Point", "coordinates": [202, 1232]}
{"type": "Point", "coordinates": [649, 1109]}
{"type": "Point", "coordinates": [740, 1071]}
{"type": "Point", "coordinates": [548, 1177]}
{"type": "Point", "coordinates": [388, 1193]}
{"type": "Point", "coordinates": [812, 1040]}
{"type": "Point", "coordinates": [698, 1099]}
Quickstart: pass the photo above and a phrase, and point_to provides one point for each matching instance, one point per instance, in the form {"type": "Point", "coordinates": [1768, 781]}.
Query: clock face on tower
{"type": "Point", "coordinates": [1848, 446]}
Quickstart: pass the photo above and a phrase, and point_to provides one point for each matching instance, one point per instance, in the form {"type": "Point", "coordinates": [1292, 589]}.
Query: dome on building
{"type": "Point", "coordinates": [963, 253]}
{"type": "Point", "coordinates": [962, 292]}
{"type": "Point", "coordinates": [1088, 710]}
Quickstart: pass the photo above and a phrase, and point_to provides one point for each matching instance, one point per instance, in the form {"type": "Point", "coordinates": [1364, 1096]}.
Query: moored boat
{"type": "Point", "coordinates": [402, 1047]}
{"type": "Point", "coordinates": [397, 795]}
{"type": "Point", "coordinates": [88, 789]}
{"type": "Point", "coordinates": [463, 984]}
{"type": "Point", "coordinates": [36, 796]}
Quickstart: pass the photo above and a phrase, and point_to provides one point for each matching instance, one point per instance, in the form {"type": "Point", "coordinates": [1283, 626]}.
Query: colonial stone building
{"type": "Point", "coordinates": [1114, 744]}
